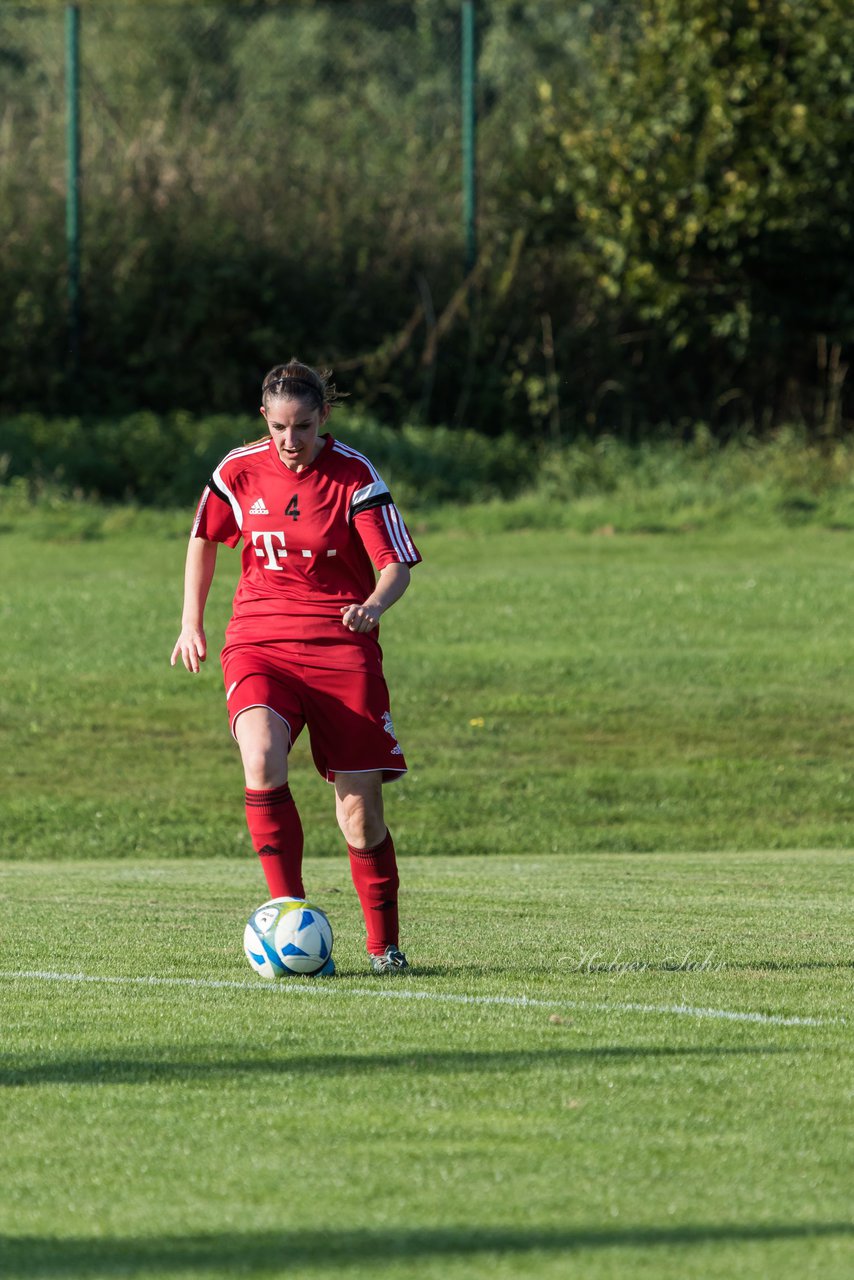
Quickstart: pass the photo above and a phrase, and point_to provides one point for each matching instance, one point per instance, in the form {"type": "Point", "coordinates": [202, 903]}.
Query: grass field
{"type": "Point", "coordinates": [602, 1065]}
{"type": "Point", "coordinates": [553, 693]}
{"type": "Point", "coordinates": [625, 1044]}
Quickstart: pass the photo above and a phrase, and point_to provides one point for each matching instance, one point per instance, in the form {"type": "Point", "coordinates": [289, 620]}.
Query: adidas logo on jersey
{"type": "Point", "coordinates": [258, 508]}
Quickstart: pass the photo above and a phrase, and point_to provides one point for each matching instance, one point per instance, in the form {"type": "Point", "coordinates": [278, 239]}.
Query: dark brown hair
{"type": "Point", "coordinates": [296, 381]}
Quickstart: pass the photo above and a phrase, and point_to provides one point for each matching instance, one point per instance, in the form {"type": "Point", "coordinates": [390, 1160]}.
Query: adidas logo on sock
{"type": "Point", "coordinates": [258, 508]}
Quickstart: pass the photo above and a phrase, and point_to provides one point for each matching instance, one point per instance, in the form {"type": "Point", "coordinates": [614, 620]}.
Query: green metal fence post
{"type": "Point", "coordinates": [72, 197]}
{"type": "Point", "coordinates": [469, 90]}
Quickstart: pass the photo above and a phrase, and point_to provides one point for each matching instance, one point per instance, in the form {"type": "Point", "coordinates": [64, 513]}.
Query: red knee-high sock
{"type": "Point", "coordinates": [375, 876]}
{"type": "Point", "coordinates": [276, 831]}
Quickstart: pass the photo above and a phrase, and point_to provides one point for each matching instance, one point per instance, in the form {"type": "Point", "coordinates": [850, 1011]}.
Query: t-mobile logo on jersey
{"type": "Point", "coordinates": [271, 545]}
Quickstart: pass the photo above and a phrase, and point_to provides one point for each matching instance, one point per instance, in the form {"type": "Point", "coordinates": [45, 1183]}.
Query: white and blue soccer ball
{"type": "Point", "coordinates": [287, 936]}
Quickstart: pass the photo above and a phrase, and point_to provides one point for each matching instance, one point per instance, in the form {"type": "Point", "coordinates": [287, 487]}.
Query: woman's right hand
{"type": "Point", "coordinates": [193, 648]}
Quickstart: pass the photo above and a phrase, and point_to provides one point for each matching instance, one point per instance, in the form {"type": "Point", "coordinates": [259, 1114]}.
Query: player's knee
{"type": "Point", "coordinates": [351, 820]}
{"type": "Point", "coordinates": [361, 820]}
{"type": "Point", "coordinates": [263, 768]}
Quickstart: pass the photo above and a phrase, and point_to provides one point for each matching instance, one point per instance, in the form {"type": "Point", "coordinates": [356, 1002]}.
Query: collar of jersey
{"type": "Point", "coordinates": [298, 475]}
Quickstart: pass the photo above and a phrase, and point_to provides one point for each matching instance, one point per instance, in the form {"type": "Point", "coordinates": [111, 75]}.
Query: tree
{"type": "Point", "coordinates": [705, 175]}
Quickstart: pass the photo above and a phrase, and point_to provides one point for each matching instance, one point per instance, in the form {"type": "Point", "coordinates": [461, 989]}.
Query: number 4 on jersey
{"type": "Point", "coordinates": [292, 509]}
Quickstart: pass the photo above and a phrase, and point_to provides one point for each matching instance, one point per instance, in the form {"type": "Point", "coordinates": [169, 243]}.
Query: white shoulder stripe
{"type": "Point", "coordinates": [398, 521]}
{"type": "Point", "coordinates": [345, 449]}
{"type": "Point", "coordinates": [399, 535]}
{"type": "Point", "coordinates": [395, 527]}
{"type": "Point", "coordinates": [369, 491]}
{"type": "Point", "coordinates": [244, 450]}
{"type": "Point", "coordinates": [413, 550]}
{"type": "Point", "coordinates": [202, 503]}
{"type": "Point", "coordinates": [235, 505]}
{"type": "Point", "coordinates": [395, 541]}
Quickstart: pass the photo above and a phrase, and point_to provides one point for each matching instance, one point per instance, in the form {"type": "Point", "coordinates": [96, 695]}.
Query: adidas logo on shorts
{"type": "Point", "coordinates": [258, 508]}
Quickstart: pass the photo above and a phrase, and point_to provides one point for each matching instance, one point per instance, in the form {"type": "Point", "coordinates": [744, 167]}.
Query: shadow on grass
{"type": "Point", "coordinates": [177, 1064]}
{"type": "Point", "coordinates": [231, 1253]}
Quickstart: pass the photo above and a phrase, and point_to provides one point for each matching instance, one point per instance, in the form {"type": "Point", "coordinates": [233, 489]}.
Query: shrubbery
{"type": "Point", "coordinates": [438, 475]}
{"type": "Point", "coordinates": [164, 460]}
{"type": "Point", "coordinates": [665, 220]}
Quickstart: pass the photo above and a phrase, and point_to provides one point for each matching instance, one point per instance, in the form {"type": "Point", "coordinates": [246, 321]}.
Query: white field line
{"type": "Point", "coordinates": [325, 988]}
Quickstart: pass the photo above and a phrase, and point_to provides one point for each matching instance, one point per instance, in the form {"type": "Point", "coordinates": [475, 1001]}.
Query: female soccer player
{"type": "Point", "coordinates": [302, 647]}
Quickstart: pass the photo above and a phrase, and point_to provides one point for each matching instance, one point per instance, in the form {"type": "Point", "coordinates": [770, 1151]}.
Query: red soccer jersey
{"type": "Point", "coordinates": [311, 540]}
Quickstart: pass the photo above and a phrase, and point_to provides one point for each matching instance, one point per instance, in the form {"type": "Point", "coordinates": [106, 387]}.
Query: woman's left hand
{"type": "Point", "coordinates": [361, 617]}
{"type": "Point", "coordinates": [391, 584]}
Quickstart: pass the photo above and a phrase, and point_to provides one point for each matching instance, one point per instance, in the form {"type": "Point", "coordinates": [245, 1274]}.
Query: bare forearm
{"type": "Point", "coordinates": [391, 584]}
{"type": "Point", "coordinates": [198, 576]}
{"type": "Point", "coordinates": [191, 645]}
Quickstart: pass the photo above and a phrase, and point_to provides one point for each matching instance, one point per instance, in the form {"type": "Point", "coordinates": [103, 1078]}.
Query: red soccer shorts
{"type": "Point", "coordinates": [347, 712]}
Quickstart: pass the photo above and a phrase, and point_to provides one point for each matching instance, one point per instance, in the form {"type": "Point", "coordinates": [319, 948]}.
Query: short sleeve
{"type": "Point", "coordinates": [385, 536]}
{"type": "Point", "coordinates": [215, 520]}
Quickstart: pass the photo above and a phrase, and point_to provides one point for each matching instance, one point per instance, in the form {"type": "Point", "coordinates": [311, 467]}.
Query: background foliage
{"type": "Point", "coordinates": [442, 477]}
{"type": "Point", "coordinates": [665, 197]}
